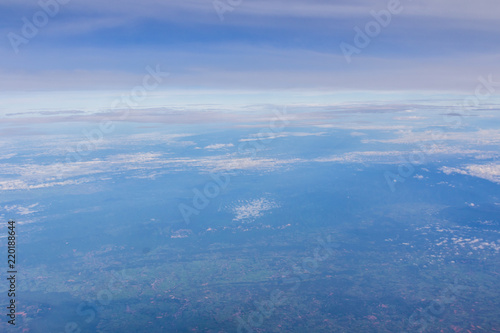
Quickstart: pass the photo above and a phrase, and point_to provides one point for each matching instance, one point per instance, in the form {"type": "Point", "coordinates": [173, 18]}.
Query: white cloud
{"type": "Point", "coordinates": [484, 137]}
{"type": "Point", "coordinates": [270, 136]}
{"type": "Point", "coordinates": [22, 210]}
{"type": "Point", "coordinates": [18, 184]}
{"type": "Point", "coordinates": [219, 146]}
{"type": "Point", "coordinates": [228, 163]}
{"type": "Point", "coordinates": [410, 118]}
{"type": "Point", "coordinates": [489, 171]}
{"type": "Point", "coordinates": [7, 156]}
{"type": "Point", "coordinates": [252, 209]}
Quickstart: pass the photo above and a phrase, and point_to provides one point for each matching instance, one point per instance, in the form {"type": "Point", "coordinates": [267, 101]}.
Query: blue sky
{"type": "Point", "coordinates": [260, 48]}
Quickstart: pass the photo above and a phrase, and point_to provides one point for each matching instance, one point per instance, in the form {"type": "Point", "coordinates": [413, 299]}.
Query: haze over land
{"type": "Point", "coordinates": [251, 166]}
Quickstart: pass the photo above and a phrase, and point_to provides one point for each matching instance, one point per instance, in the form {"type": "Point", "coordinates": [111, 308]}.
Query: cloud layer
{"type": "Point", "coordinates": [91, 45]}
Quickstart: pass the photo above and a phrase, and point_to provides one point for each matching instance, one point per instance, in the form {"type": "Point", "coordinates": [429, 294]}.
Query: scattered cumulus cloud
{"type": "Point", "coordinates": [250, 210]}
{"type": "Point", "coordinates": [21, 210]}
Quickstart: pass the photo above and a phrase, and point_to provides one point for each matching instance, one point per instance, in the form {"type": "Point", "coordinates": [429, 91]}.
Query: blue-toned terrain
{"type": "Point", "coordinates": [350, 218]}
